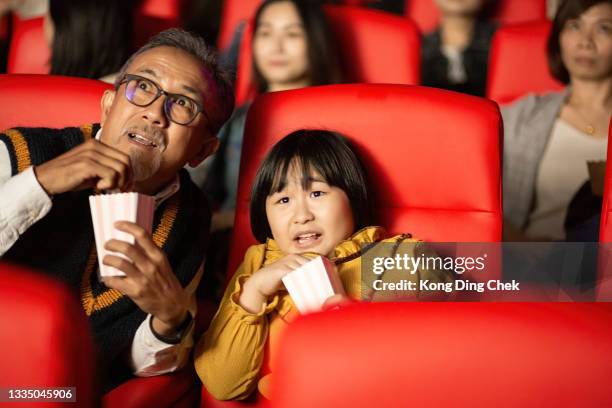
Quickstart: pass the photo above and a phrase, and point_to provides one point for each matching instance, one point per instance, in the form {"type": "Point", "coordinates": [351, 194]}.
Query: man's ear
{"type": "Point", "coordinates": [105, 104]}
{"type": "Point", "coordinates": [210, 146]}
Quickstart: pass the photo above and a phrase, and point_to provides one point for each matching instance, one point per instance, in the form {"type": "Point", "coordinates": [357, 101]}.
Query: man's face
{"type": "Point", "coordinates": [158, 147]}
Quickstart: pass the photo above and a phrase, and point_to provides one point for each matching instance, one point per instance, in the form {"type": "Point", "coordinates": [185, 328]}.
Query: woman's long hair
{"type": "Point", "coordinates": [92, 38]}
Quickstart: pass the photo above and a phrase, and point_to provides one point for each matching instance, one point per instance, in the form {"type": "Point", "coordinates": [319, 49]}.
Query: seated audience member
{"type": "Point", "coordinates": [550, 138]}
{"type": "Point", "coordinates": [169, 101]}
{"type": "Point", "coordinates": [292, 48]}
{"type": "Point", "coordinates": [455, 56]}
{"type": "Point", "coordinates": [309, 197]}
{"type": "Point", "coordinates": [89, 38]}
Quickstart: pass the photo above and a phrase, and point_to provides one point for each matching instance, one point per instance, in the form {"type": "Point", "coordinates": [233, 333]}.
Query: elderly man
{"type": "Point", "coordinates": [169, 101]}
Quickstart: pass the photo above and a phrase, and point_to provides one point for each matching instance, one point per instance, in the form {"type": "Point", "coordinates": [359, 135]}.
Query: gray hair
{"type": "Point", "coordinates": [195, 45]}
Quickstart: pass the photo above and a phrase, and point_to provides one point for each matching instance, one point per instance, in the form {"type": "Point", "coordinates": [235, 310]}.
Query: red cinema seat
{"type": "Point", "coordinates": [49, 101]}
{"type": "Point", "coordinates": [432, 156]}
{"type": "Point", "coordinates": [55, 101]}
{"type": "Point", "coordinates": [518, 64]}
{"type": "Point", "coordinates": [604, 276]}
{"type": "Point", "coordinates": [605, 230]}
{"type": "Point", "coordinates": [426, 14]}
{"type": "Point", "coordinates": [28, 50]}
{"type": "Point", "coordinates": [233, 13]}
{"type": "Point", "coordinates": [447, 355]}
{"type": "Point", "coordinates": [374, 47]}
{"type": "Point", "coordinates": [153, 16]}
{"type": "Point", "coordinates": [45, 339]}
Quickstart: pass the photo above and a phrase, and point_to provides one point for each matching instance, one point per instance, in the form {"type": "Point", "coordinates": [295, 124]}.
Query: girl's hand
{"type": "Point", "coordinates": [267, 281]}
{"type": "Point", "coordinates": [336, 302]}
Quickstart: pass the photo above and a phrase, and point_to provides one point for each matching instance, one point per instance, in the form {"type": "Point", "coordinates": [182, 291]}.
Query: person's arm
{"type": "Point", "coordinates": [22, 201]}
{"type": "Point", "coordinates": [24, 197]}
{"type": "Point", "coordinates": [150, 355]}
{"type": "Point", "coordinates": [229, 355]}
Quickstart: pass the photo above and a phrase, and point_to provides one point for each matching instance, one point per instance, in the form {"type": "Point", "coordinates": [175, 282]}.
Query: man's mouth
{"type": "Point", "coordinates": [138, 138]}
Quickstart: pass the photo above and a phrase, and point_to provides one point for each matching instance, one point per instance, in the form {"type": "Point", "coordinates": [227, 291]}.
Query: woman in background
{"type": "Point", "coordinates": [549, 138]}
{"type": "Point", "coordinates": [455, 56]}
{"type": "Point", "coordinates": [292, 48]}
{"type": "Point", "coordinates": [89, 38]}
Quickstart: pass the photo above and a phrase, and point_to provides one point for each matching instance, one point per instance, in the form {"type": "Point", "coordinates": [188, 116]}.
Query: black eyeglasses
{"type": "Point", "coordinates": [142, 91]}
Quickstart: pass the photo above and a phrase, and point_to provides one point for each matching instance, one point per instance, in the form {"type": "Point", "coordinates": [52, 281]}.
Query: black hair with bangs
{"type": "Point", "coordinates": [326, 152]}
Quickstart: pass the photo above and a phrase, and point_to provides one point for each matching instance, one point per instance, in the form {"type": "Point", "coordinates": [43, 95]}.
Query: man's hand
{"type": "Point", "coordinates": [91, 164]}
{"type": "Point", "coordinates": [149, 279]}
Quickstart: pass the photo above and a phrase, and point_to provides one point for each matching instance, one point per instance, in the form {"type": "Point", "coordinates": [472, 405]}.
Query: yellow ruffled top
{"type": "Point", "coordinates": [235, 352]}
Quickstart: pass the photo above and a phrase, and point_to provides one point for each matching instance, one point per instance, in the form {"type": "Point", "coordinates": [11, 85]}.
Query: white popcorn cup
{"type": "Point", "coordinates": [312, 284]}
{"type": "Point", "coordinates": [106, 209]}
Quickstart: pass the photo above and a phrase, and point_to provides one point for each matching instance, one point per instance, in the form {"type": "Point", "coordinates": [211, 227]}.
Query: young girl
{"type": "Point", "coordinates": [309, 198]}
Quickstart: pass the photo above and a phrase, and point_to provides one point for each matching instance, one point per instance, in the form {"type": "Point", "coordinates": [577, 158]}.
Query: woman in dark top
{"type": "Point", "coordinates": [455, 56]}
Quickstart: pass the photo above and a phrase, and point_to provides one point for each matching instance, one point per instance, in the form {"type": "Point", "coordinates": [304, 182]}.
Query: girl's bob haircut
{"type": "Point", "coordinates": [324, 152]}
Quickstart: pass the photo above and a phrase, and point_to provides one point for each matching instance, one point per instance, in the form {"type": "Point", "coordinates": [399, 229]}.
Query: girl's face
{"type": "Point", "coordinates": [280, 47]}
{"type": "Point", "coordinates": [586, 44]}
{"type": "Point", "coordinates": [460, 7]}
{"type": "Point", "coordinates": [314, 220]}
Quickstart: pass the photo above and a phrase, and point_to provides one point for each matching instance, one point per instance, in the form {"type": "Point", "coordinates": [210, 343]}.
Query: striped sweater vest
{"type": "Point", "coordinates": [62, 243]}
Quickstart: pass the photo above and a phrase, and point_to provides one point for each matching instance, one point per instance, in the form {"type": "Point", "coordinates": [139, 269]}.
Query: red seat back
{"type": "Point", "coordinates": [233, 13]}
{"type": "Point", "coordinates": [432, 156]}
{"type": "Point", "coordinates": [49, 101]}
{"type": "Point", "coordinates": [374, 47]}
{"type": "Point", "coordinates": [518, 64]}
{"type": "Point", "coordinates": [153, 16]}
{"type": "Point", "coordinates": [28, 51]}
{"type": "Point", "coordinates": [45, 339]}
{"type": "Point", "coordinates": [426, 14]}
{"type": "Point", "coordinates": [604, 276]}
{"type": "Point", "coordinates": [605, 230]}
{"type": "Point", "coordinates": [447, 355]}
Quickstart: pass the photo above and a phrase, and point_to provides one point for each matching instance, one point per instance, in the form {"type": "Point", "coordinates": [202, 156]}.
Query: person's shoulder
{"type": "Point", "coordinates": [533, 103]}
{"type": "Point", "coordinates": [87, 130]}
{"type": "Point", "coordinates": [430, 43]}
{"type": "Point", "coordinates": [401, 238]}
{"type": "Point", "coordinates": [254, 256]}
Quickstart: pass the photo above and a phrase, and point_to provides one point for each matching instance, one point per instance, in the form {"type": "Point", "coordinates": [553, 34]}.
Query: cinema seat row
{"type": "Point", "coordinates": [375, 47]}
{"type": "Point", "coordinates": [402, 133]}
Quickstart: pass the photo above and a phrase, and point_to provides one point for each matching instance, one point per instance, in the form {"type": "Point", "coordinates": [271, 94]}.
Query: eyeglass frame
{"type": "Point", "coordinates": [128, 77]}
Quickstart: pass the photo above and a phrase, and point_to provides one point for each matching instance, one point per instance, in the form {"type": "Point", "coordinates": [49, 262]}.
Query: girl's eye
{"type": "Point", "coordinates": [317, 193]}
{"type": "Point", "coordinates": [283, 200]}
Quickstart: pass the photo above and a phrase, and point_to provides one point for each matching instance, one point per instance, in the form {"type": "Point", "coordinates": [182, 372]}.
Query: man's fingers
{"type": "Point", "coordinates": [143, 240]}
{"type": "Point", "coordinates": [131, 266]}
{"type": "Point", "coordinates": [123, 285]}
{"type": "Point", "coordinates": [108, 157]}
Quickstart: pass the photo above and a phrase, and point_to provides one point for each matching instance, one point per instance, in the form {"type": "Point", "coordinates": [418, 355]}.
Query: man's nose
{"type": "Point", "coordinates": [155, 113]}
